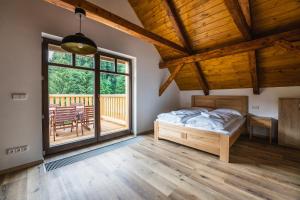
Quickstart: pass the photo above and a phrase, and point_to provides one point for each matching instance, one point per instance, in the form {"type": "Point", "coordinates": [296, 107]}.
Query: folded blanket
{"type": "Point", "coordinates": [191, 111]}
{"type": "Point", "coordinates": [177, 119]}
{"type": "Point", "coordinates": [212, 120]}
{"type": "Point", "coordinates": [205, 114]}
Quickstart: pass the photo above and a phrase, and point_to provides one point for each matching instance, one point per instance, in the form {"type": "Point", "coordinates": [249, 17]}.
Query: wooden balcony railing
{"type": "Point", "coordinates": [113, 107]}
{"type": "Point", "coordinates": [70, 99]}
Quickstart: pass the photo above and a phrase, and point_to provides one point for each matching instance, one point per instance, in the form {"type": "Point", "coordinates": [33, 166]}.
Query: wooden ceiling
{"type": "Point", "coordinates": [215, 44]}
{"type": "Point", "coordinates": [212, 24]}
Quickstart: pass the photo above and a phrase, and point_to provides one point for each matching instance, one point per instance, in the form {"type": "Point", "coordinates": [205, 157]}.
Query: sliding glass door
{"type": "Point", "coordinates": [86, 99]}
{"type": "Point", "coordinates": [115, 90]}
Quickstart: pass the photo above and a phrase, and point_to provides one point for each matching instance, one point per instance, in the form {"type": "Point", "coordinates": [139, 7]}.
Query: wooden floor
{"type": "Point", "coordinates": [66, 136]}
{"type": "Point", "coordinates": [164, 170]}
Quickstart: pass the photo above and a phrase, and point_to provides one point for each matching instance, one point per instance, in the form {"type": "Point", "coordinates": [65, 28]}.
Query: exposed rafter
{"type": "Point", "coordinates": [288, 46]}
{"type": "Point", "coordinates": [177, 24]}
{"type": "Point", "coordinates": [241, 47]}
{"type": "Point", "coordinates": [254, 71]}
{"type": "Point", "coordinates": [184, 38]}
{"type": "Point", "coordinates": [103, 16]}
{"type": "Point", "coordinates": [241, 15]}
{"type": "Point", "coordinates": [173, 75]}
{"type": "Point", "coordinates": [239, 19]}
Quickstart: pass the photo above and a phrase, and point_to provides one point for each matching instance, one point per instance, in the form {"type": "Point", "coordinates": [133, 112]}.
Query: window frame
{"type": "Point", "coordinates": [45, 100]}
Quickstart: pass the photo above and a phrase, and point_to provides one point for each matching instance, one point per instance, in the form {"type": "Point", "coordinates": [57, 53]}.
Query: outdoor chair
{"type": "Point", "coordinates": [65, 117]}
{"type": "Point", "coordinates": [52, 108]}
{"type": "Point", "coordinates": [88, 116]}
{"type": "Point", "coordinates": [79, 114]}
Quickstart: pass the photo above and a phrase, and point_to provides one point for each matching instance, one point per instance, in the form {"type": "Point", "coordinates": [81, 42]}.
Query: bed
{"type": "Point", "coordinates": [209, 141]}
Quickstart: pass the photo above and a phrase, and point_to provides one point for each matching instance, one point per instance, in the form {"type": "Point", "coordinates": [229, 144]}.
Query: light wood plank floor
{"type": "Point", "coordinates": [164, 170]}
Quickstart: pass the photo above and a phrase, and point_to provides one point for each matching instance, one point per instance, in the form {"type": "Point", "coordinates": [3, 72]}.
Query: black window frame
{"type": "Point", "coordinates": [98, 138]}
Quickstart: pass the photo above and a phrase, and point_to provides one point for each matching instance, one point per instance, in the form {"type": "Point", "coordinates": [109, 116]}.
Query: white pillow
{"type": "Point", "coordinates": [205, 109]}
{"type": "Point", "coordinates": [188, 111]}
{"type": "Point", "coordinates": [228, 110]}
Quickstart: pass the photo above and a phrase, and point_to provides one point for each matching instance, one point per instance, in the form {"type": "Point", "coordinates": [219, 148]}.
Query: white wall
{"type": "Point", "coordinates": [21, 25]}
{"type": "Point", "coordinates": [267, 101]}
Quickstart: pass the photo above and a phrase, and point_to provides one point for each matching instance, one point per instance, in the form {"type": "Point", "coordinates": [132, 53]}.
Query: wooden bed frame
{"type": "Point", "coordinates": [208, 141]}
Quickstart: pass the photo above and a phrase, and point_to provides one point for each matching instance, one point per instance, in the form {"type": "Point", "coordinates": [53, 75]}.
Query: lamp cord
{"type": "Point", "coordinates": [80, 23]}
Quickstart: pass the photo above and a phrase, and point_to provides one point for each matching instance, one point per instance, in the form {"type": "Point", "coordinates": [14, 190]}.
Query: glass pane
{"type": "Point", "coordinates": [114, 103]}
{"type": "Point", "coordinates": [107, 63]}
{"type": "Point", "coordinates": [71, 105]}
{"type": "Point", "coordinates": [59, 56]}
{"type": "Point", "coordinates": [85, 61]}
{"type": "Point", "coordinates": [123, 66]}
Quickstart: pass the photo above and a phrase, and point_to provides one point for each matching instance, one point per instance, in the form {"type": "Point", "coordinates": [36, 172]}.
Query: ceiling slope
{"type": "Point", "coordinates": [213, 24]}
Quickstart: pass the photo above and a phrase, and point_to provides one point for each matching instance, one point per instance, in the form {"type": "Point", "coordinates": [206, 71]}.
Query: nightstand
{"type": "Point", "coordinates": [265, 122]}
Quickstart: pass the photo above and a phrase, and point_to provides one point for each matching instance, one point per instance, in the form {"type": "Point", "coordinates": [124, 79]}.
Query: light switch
{"type": "Point", "coordinates": [19, 96]}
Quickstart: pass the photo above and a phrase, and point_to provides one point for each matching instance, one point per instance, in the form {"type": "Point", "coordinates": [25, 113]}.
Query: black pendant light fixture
{"type": "Point", "coordinates": [78, 43]}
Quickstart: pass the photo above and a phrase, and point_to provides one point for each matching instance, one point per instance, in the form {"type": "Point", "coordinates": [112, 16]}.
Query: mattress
{"type": "Point", "coordinates": [223, 121]}
{"type": "Point", "coordinates": [228, 131]}
{"type": "Point", "coordinates": [174, 119]}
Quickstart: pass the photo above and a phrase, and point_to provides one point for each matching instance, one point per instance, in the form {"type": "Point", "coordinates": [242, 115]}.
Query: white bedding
{"type": "Point", "coordinates": [213, 120]}
{"type": "Point", "coordinates": [229, 129]}
{"type": "Point", "coordinates": [175, 119]}
{"type": "Point", "coordinates": [190, 111]}
{"type": "Point", "coordinates": [220, 120]}
{"type": "Point", "coordinates": [180, 116]}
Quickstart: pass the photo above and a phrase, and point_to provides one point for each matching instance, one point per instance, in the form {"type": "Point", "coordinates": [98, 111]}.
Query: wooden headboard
{"type": "Point", "coordinates": [239, 103]}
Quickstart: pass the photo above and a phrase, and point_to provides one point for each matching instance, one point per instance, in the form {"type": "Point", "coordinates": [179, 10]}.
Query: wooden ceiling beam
{"type": "Point", "coordinates": [184, 38]}
{"type": "Point", "coordinates": [241, 47]}
{"type": "Point", "coordinates": [178, 24]}
{"type": "Point", "coordinates": [288, 46]}
{"type": "Point", "coordinates": [201, 78]}
{"type": "Point", "coordinates": [169, 80]}
{"type": "Point", "coordinates": [254, 72]}
{"type": "Point", "coordinates": [238, 17]}
{"type": "Point", "coordinates": [103, 16]}
{"type": "Point", "coordinates": [241, 15]}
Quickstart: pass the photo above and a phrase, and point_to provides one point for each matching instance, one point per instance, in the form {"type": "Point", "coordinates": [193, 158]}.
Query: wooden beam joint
{"type": "Point", "coordinates": [241, 47]}
{"type": "Point", "coordinates": [172, 76]}
{"type": "Point", "coordinates": [241, 15]}
{"type": "Point", "coordinates": [185, 40]}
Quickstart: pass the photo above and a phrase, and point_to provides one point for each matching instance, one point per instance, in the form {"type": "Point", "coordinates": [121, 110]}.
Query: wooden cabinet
{"type": "Point", "coordinates": [289, 122]}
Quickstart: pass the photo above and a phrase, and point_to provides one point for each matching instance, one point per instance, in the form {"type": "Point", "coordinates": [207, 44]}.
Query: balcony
{"type": "Point", "coordinates": [113, 116]}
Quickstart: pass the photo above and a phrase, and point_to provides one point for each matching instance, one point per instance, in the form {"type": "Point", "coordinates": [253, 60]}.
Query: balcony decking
{"type": "Point", "coordinates": [113, 114]}
{"type": "Point", "coordinates": [66, 136]}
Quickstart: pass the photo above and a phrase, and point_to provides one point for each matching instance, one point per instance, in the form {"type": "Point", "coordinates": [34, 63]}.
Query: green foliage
{"type": "Point", "coordinates": [70, 81]}
{"type": "Point", "coordinates": [61, 58]}
{"type": "Point", "coordinates": [112, 84]}
{"type": "Point", "coordinates": [75, 81]}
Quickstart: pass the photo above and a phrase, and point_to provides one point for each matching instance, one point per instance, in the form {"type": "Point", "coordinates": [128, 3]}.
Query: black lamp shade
{"type": "Point", "coordinates": [79, 44]}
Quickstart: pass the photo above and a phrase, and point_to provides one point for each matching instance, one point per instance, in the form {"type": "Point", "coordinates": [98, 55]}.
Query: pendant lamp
{"type": "Point", "coordinates": [79, 43]}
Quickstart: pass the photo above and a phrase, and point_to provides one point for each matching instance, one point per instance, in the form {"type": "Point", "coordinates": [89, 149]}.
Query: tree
{"type": "Point", "coordinates": [75, 81]}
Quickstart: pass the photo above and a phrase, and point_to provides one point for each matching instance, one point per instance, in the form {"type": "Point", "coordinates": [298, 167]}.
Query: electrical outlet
{"type": "Point", "coordinates": [255, 107]}
{"type": "Point", "coordinates": [17, 149]}
{"type": "Point", "coordinates": [10, 151]}
{"type": "Point", "coordinates": [24, 148]}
